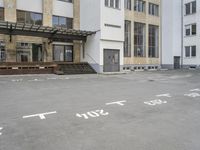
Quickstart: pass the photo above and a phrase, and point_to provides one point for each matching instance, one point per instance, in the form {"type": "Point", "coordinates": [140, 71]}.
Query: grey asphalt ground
{"type": "Point", "coordinates": [172, 124]}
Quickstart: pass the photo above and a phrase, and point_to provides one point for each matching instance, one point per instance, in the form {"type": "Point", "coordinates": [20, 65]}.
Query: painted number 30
{"type": "Point", "coordinates": [93, 114]}
{"type": "Point", "coordinates": [155, 102]}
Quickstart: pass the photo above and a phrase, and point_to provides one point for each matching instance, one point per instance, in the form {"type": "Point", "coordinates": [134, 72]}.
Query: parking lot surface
{"type": "Point", "coordinates": [157, 110]}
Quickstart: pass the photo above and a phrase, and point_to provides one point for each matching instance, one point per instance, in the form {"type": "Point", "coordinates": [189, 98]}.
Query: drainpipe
{"type": "Point", "coordinates": [182, 15]}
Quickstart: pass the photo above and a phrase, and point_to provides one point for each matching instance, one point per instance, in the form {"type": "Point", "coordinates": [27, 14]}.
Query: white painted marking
{"type": "Point", "coordinates": [93, 114]}
{"type": "Point", "coordinates": [195, 90]}
{"type": "Point", "coordinates": [36, 80]}
{"type": "Point", "coordinates": [118, 103]}
{"type": "Point", "coordinates": [155, 102]}
{"type": "Point", "coordinates": [17, 80]}
{"type": "Point", "coordinates": [51, 78]}
{"type": "Point", "coordinates": [42, 115]}
{"type": "Point", "coordinates": [1, 128]}
{"type": "Point", "coordinates": [164, 95]}
{"type": "Point", "coordinates": [193, 95]}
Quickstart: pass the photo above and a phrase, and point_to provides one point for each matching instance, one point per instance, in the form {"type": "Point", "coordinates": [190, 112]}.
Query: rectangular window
{"type": "Point", "coordinates": [62, 22]}
{"type": "Point", "coordinates": [190, 51]}
{"type": "Point", "coordinates": [29, 17]}
{"type": "Point", "coordinates": [2, 52]}
{"type": "Point", "coordinates": [139, 40]}
{"type": "Point", "coordinates": [127, 43]}
{"type": "Point", "coordinates": [63, 53]}
{"type": "Point", "coordinates": [113, 3]}
{"type": "Point", "coordinates": [153, 9]}
{"type": "Point", "coordinates": [1, 14]}
{"type": "Point", "coordinates": [127, 4]}
{"type": "Point", "coordinates": [190, 29]}
{"type": "Point", "coordinates": [153, 41]}
{"type": "Point", "coordinates": [139, 5]}
{"type": "Point", "coordinates": [190, 8]}
{"type": "Point", "coordinates": [70, 1]}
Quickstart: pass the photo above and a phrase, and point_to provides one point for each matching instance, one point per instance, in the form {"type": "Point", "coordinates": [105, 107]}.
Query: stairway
{"type": "Point", "coordinates": [75, 68]}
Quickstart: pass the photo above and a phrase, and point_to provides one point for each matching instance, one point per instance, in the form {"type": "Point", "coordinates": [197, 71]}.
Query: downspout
{"type": "Point", "coordinates": [161, 21]}
{"type": "Point", "coordinates": [182, 33]}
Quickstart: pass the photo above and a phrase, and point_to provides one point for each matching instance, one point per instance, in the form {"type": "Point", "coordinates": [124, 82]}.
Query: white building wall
{"type": "Point", "coordinates": [1, 3]}
{"type": "Point", "coordinates": [64, 9]}
{"type": "Point", "coordinates": [30, 5]}
{"type": "Point", "coordinates": [171, 32]}
{"type": "Point", "coordinates": [94, 16]}
{"type": "Point", "coordinates": [192, 40]}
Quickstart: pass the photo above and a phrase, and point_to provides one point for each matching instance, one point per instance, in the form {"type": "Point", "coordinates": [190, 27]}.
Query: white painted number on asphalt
{"type": "Point", "coordinates": [93, 114]}
{"type": "Point", "coordinates": [195, 90]}
{"type": "Point", "coordinates": [155, 102]}
{"type": "Point", "coordinates": [193, 95]}
{"type": "Point", "coordinates": [0, 130]}
{"type": "Point", "coordinates": [42, 115]}
{"type": "Point", "coordinates": [121, 103]}
{"type": "Point", "coordinates": [164, 95]}
{"type": "Point", "coordinates": [17, 80]}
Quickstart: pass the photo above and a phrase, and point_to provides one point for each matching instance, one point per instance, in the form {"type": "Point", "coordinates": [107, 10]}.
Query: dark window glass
{"type": "Point", "coordinates": [153, 41]}
{"type": "Point", "coordinates": [1, 14]}
{"type": "Point", "coordinates": [63, 53]}
{"type": "Point", "coordinates": [127, 43]}
{"type": "Point", "coordinates": [127, 4]}
{"type": "Point", "coordinates": [193, 51]}
{"type": "Point", "coordinates": [139, 5]}
{"type": "Point", "coordinates": [187, 51]}
{"type": "Point", "coordinates": [62, 22]}
{"type": "Point", "coordinates": [194, 29]}
{"type": "Point", "coordinates": [2, 51]}
{"type": "Point", "coordinates": [187, 8]}
{"type": "Point", "coordinates": [194, 7]}
{"type": "Point", "coordinates": [69, 53]}
{"type": "Point", "coordinates": [153, 9]}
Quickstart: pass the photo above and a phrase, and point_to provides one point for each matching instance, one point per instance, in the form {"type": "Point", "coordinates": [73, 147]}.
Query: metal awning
{"type": "Point", "coordinates": [52, 33]}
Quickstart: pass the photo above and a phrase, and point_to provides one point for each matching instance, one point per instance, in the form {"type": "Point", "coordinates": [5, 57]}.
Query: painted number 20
{"type": "Point", "coordinates": [93, 114]}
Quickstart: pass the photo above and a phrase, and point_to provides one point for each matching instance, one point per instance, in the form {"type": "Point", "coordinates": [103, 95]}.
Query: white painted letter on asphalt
{"type": "Point", "coordinates": [164, 95]}
{"type": "Point", "coordinates": [155, 102]}
{"type": "Point", "coordinates": [118, 103]}
{"type": "Point", "coordinates": [42, 115]}
{"type": "Point", "coordinates": [192, 95]}
{"type": "Point", "coordinates": [195, 90]}
{"type": "Point", "coordinates": [93, 114]}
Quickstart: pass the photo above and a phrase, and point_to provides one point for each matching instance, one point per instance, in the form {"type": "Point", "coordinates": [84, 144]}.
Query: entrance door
{"type": "Point", "coordinates": [37, 55]}
{"type": "Point", "coordinates": [176, 62]}
{"type": "Point", "coordinates": [111, 60]}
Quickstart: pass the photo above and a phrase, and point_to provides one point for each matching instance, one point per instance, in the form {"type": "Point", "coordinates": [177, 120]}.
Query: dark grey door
{"type": "Point", "coordinates": [111, 60]}
{"type": "Point", "coordinates": [177, 62]}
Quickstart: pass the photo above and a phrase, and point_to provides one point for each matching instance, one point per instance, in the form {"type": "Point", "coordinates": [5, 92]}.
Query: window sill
{"type": "Point", "coordinates": [113, 8]}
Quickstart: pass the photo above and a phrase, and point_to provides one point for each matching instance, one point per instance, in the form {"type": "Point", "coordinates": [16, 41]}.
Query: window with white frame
{"type": "Point", "coordinates": [190, 8]}
{"type": "Point", "coordinates": [190, 29]}
{"type": "Point", "coordinates": [113, 3]}
{"type": "Point", "coordinates": [127, 4]}
{"type": "Point", "coordinates": [153, 9]}
{"type": "Point", "coordinates": [190, 51]}
{"type": "Point", "coordinates": [139, 5]}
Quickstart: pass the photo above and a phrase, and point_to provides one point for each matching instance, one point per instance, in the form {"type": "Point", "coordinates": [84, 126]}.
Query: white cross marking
{"type": "Point", "coordinates": [164, 95]}
{"type": "Point", "coordinates": [42, 115]}
{"type": "Point", "coordinates": [0, 130]}
{"type": "Point", "coordinates": [118, 103]}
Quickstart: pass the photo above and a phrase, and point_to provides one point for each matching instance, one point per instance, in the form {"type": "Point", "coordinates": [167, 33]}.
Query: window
{"type": "Point", "coordinates": [139, 5]}
{"type": "Point", "coordinates": [2, 51]}
{"type": "Point", "coordinates": [190, 8]}
{"type": "Point", "coordinates": [29, 17]}
{"type": "Point", "coordinates": [190, 29]}
{"type": "Point", "coordinates": [63, 22]}
{"type": "Point", "coordinates": [153, 9]}
{"type": "Point", "coordinates": [70, 1]}
{"type": "Point", "coordinates": [139, 40]}
{"type": "Point", "coordinates": [127, 4]}
{"type": "Point", "coordinates": [1, 14]}
{"type": "Point", "coordinates": [127, 43]}
{"type": "Point", "coordinates": [113, 3]}
{"type": "Point", "coordinates": [63, 53]}
{"type": "Point", "coordinates": [190, 51]}
{"type": "Point", "coordinates": [153, 41]}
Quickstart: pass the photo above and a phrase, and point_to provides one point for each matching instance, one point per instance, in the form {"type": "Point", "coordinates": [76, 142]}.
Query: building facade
{"type": "Point", "coordinates": [180, 36]}
{"type": "Point", "coordinates": [142, 47]}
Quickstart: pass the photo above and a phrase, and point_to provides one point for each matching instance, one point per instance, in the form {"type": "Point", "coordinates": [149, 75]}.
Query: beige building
{"type": "Point", "coordinates": [142, 48]}
{"type": "Point", "coordinates": [37, 35]}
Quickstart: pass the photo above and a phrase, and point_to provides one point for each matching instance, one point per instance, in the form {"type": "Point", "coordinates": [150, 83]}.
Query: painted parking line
{"type": "Point", "coordinates": [41, 116]}
{"type": "Point", "coordinates": [17, 80]}
{"type": "Point", "coordinates": [164, 95]}
{"type": "Point", "coordinates": [121, 103]}
{"type": "Point", "coordinates": [155, 102]}
{"type": "Point", "coordinates": [1, 128]}
{"type": "Point", "coordinates": [92, 114]}
{"type": "Point", "coordinates": [35, 80]}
